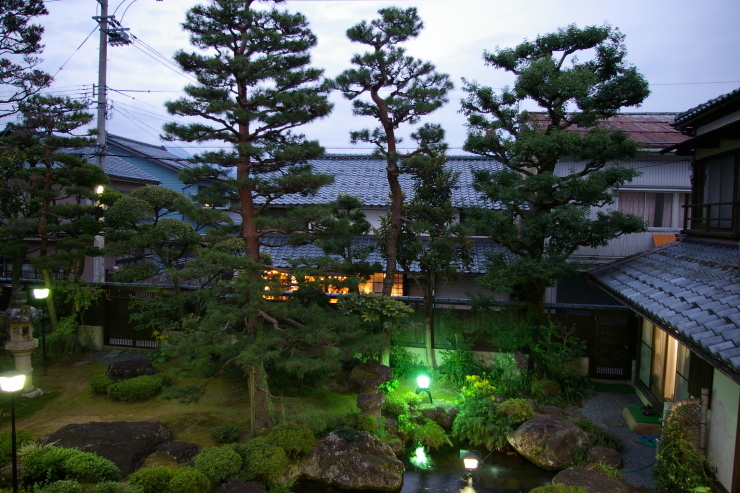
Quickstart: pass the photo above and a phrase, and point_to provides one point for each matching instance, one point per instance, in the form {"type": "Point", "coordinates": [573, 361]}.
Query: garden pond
{"type": "Point", "coordinates": [441, 471]}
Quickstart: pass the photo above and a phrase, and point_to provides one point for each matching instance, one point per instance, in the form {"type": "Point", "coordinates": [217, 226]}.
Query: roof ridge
{"type": "Point", "coordinates": [118, 137]}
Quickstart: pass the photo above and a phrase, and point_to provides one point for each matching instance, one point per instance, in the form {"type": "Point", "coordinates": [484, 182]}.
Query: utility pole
{"type": "Point", "coordinates": [111, 32]}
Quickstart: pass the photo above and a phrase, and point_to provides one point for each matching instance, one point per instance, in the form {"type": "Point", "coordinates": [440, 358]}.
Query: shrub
{"type": "Point", "coordinates": [405, 364]}
{"type": "Point", "coordinates": [459, 362]}
{"type": "Point", "coordinates": [394, 406]}
{"type": "Point", "coordinates": [559, 488]}
{"type": "Point", "coordinates": [508, 379]}
{"type": "Point", "coordinates": [366, 422]}
{"type": "Point", "coordinates": [189, 480]}
{"type": "Point", "coordinates": [598, 435]}
{"type": "Point", "coordinates": [91, 468]}
{"type": "Point", "coordinates": [151, 479]}
{"type": "Point", "coordinates": [427, 433]}
{"type": "Point", "coordinates": [265, 462]}
{"type": "Point", "coordinates": [22, 437]}
{"type": "Point", "coordinates": [61, 486]}
{"type": "Point", "coordinates": [225, 434]}
{"type": "Point", "coordinates": [137, 388]}
{"type": "Point", "coordinates": [412, 399]}
{"type": "Point", "coordinates": [546, 389]}
{"type": "Point", "coordinates": [679, 467]}
{"type": "Point", "coordinates": [113, 487]}
{"type": "Point", "coordinates": [518, 410]}
{"type": "Point", "coordinates": [296, 440]}
{"type": "Point", "coordinates": [218, 463]}
{"type": "Point", "coordinates": [43, 465]}
{"type": "Point", "coordinates": [100, 383]}
{"type": "Point", "coordinates": [480, 423]}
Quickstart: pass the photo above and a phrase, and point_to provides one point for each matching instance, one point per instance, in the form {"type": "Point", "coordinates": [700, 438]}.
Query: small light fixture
{"type": "Point", "coordinates": [99, 189]}
{"type": "Point", "coordinates": [41, 293]}
{"type": "Point", "coordinates": [422, 385]}
{"type": "Point", "coordinates": [470, 459]}
{"type": "Point", "coordinates": [12, 381]}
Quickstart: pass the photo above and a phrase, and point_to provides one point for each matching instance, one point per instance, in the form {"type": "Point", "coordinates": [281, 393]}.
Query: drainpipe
{"type": "Point", "coordinates": [703, 422]}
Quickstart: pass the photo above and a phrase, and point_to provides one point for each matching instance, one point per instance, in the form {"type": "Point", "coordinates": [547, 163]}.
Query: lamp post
{"type": "Point", "coordinates": [470, 459]}
{"type": "Point", "coordinates": [12, 382]}
{"type": "Point", "coordinates": [422, 385]}
{"type": "Point", "coordinates": [41, 294]}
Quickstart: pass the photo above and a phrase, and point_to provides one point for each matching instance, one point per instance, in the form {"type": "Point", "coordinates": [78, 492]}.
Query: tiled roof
{"type": "Point", "coordinates": [115, 167]}
{"type": "Point", "coordinates": [282, 254]}
{"type": "Point", "coordinates": [365, 177]}
{"type": "Point", "coordinates": [650, 130]}
{"type": "Point", "coordinates": [692, 288]}
{"type": "Point", "coordinates": [704, 107]}
{"type": "Point", "coordinates": [158, 153]}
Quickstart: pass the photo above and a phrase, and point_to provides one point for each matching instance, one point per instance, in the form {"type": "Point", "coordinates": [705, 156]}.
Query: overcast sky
{"type": "Point", "coordinates": [687, 50]}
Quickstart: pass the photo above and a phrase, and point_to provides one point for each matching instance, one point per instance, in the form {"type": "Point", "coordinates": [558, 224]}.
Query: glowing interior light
{"type": "Point", "coordinates": [422, 381]}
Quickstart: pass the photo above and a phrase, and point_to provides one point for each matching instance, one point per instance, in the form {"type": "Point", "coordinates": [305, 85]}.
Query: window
{"type": "Point", "coordinates": [375, 285]}
{"type": "Point", "coordinates": [658, 209]}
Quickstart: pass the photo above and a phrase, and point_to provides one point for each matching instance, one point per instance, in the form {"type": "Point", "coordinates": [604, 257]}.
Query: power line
{"type": "Point", "coordinates": [73, 53]}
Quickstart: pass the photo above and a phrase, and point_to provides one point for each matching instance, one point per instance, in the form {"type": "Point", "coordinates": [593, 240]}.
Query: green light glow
{"type": "Point", "coordinates": [420, 459]}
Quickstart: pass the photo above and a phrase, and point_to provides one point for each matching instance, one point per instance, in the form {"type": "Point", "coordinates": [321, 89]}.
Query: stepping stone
{"type": "Point", "coordinates": [624, 399]}
{"type": "Point", "coordinates": [614, 422]}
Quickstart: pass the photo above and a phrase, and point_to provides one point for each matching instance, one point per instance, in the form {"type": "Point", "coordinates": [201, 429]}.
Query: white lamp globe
{"type": "Point", "coordinates": [40, 293]}
{"type": "Point", "coordinates": [12, 381]}
{"type": "Point", "coordinates": [422, 381]}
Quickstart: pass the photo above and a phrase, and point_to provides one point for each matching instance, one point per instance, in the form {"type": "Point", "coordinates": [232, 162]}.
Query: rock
{"type": "Point", "coordinates": [546, 388]}
{"type": "Point", "coordinates": [370, 375]}
{"type": "Point", "coordinates": [613, 422]}
{"type": "Point", "coordinates": [605, 455]}
{"type": "Point", "coordinates": [395, 444]}
{"type": "Point", "coordinates": [6, 474]}
{"type": "Point", "coordinates": [370, 402]}
{"type": "Point", "coordinates": [125, 443]}
{"type": "Point", "coordinates": [130, 368]}
{"type": "Point", "coordinates": [180, 451]}
{"type": "Point", "coordinates": [234, 486]}
{"type": "Point", "coordinates": [443, 417]}
{"type": "Point", "coordinates": [354, 461]}
{"type": "Point", "coordinates": [547, 443]}
{"type": "Point", "coordinates": [593, 482]}
{"type": "Point", "coordinates": [521, 360]}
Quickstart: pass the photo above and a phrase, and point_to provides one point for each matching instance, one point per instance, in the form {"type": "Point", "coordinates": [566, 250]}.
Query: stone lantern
{"type": "Point", "coordinates": [19, 318]}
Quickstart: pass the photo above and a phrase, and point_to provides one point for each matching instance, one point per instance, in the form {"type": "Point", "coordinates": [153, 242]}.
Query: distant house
{"type": "Point", "coordinates": [687, 293]}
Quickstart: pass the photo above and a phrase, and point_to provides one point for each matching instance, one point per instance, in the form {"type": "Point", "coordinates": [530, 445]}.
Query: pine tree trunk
{"type": "Point", "coordinates": [391, 244]}
{"type": "Point", "coordinates": [260, 403]}
{"type": "Point", "coordinates": [429, 336]}
{"type": "Point", "coordinates": [50, 300]}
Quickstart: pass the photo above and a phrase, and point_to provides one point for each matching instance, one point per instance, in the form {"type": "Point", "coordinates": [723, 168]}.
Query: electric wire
{"type": "Point", "coordinates": [73, 53]}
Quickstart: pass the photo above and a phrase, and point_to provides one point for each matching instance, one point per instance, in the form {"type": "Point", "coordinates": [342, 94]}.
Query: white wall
{"type": "Point", "coordinates": [723, 427]}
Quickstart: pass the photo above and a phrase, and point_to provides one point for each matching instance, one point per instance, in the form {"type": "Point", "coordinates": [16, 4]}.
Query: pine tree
{"type": "Point", "coordinates": [58, 185]}
{"type": "Point", "coordinates": [254, 87]}
{"type": "Point", "coordinates": [402, 90]}
{"type": "Point", "coordinates": [19, 43]}
{"type": "Point", "coordinates": [432, 239]}
{"type": "Point", "coordinates": [578, 78]}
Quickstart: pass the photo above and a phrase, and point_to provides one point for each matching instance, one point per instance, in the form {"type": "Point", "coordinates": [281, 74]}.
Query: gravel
{"type": "Point", "coordinates": [108, 357]}
{"type": "Point", "coordinates": [638, 459]}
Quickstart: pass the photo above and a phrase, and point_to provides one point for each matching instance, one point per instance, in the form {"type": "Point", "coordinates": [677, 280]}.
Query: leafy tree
{"type": "Point", "coordinates": [578, 78]}
{"type": "Point", "coordinates": [411, 89]}
{"type": "Point", "coordinates": [254, 87]}
{"type": "Point", "coordinates": [432, 239]}
{"type": "Point", "coordinates": [148, 220]}
{"type": "Point", "coordinates": [60, 186]}
{"type": "Point", "coordinates": [19, 43]}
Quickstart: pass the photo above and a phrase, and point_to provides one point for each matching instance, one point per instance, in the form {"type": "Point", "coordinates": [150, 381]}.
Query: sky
{"type": "Point", "coordinates": [687, 50]}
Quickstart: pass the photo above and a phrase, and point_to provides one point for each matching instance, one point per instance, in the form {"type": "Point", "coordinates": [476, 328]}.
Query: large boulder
{"type": "Point", "coordinates": [125, 443]}
{"type": "Point", "coordinates": [130, 368]}
{"type": "Point", "coordinates": [594, 482]}
{"type": "Point", "coordinates": [549, 444]}
{"type": "Point", "coordinates": [354, 460]}
{"type": "Point", "coordinates": [443, 417]}
{"type": "Point", "coordinates": [605, 455]}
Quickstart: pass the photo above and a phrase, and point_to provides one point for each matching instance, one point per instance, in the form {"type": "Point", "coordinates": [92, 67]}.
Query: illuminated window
{"type": "Point", "coordinates": [375, 285]}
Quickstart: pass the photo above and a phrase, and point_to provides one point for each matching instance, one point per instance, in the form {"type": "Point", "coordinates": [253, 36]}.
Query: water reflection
{"type": "Point", "coordinates": [498, 473]}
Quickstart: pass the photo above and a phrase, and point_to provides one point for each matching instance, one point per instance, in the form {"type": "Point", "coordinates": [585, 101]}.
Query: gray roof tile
{"type": "Point", "coordinates": [700, 297]}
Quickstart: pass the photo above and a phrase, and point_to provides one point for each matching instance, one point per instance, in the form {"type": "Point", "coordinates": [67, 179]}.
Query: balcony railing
{"type": "Point", "coordinates": [718, 219]}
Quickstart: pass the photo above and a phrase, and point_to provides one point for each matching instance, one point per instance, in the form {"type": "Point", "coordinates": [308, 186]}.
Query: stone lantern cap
{"type": "Point", "coordinates": [371, 374]}
{"type": "Point", "coordinates": [20, 317]}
